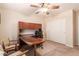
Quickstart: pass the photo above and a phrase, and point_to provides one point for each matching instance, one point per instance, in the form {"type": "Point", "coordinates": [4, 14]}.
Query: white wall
{"type": "Point", "coordinates": [77, 24]}
{"type": "Point", "coordinates": [9, 22]}
{"type": "Point", "coordinates": [60, 28]}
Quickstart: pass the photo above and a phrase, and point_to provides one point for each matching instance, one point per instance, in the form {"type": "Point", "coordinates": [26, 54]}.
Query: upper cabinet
{"type": "Point", "coordinates": [25, 25]}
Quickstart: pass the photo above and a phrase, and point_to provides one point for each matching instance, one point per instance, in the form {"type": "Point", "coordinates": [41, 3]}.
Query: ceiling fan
{"type": "Point", "coordinates": [45, 7]}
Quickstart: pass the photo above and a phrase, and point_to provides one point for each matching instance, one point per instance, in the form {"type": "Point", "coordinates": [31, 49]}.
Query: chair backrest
{"type": "Point", "coordinates": [5, 40]}
{"type": "Point", "coordinates": [3, 46]}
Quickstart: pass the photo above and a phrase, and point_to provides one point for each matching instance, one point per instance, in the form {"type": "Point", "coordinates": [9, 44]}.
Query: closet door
{"type": "Point", "coordinates": [56, 30]}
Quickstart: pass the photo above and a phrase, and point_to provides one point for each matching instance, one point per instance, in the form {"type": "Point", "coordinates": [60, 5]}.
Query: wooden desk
{"type": "Point", "coordinates": [32, 41]}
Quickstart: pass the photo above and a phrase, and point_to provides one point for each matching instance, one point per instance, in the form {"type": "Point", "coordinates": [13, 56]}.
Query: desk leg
{"type": "Point", "coordinates": [34, 50]}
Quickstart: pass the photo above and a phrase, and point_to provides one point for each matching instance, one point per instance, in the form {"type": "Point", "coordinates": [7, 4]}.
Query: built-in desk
{"type": "Point", "coordinates": [31, 41]}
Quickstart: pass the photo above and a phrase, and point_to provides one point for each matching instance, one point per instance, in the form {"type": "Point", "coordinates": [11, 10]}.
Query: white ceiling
{"type": "Point", "coordinates": [19, 7]}
{"type": "Point", "coordinates": [26, 9]}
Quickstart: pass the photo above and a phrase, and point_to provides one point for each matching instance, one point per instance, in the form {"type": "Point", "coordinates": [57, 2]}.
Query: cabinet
{"type": "Point", "coordinates": [25, 25]}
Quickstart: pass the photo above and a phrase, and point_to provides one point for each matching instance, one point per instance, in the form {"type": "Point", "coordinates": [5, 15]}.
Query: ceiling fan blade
{"type": "Point", "coordinates": [35, 6]}
{"type": "Point", "coordinates": [53, 6]}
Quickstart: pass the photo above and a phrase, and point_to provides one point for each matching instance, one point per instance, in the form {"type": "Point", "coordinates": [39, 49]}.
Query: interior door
{"type": "Point", "coordinates": [56, 30]}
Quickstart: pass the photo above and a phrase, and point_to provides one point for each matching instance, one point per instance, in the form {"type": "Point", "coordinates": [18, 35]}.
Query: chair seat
{"type": "Point", "coordinates": [11, 46]}
{"type": "Point", "coordinates": [19, 53]}
{"type": "Point", "coordinates": [1, 53]}
{"type": "Point", "coordinates": [23, 55]}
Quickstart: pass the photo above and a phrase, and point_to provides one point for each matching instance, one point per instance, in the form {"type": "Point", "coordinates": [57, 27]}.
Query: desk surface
{"type": "Point", "coordinates": [32, 40]}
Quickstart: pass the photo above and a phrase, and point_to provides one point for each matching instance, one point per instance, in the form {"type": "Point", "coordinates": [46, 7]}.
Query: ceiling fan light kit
{"type": "Point", "coordinates": [44, 9]}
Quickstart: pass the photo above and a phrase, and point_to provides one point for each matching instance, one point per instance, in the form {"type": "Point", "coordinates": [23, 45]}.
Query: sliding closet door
{"type": "Point", "coordinates": [56, 30]}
